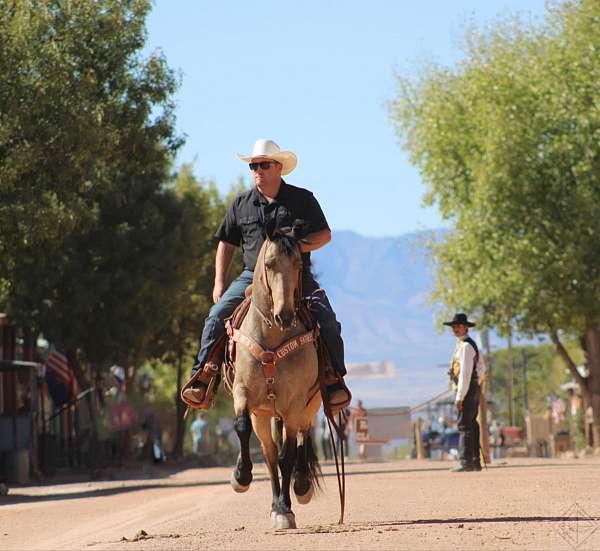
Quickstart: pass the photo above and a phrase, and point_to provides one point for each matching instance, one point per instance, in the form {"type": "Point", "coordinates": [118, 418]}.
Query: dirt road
{"type": "Point", "coordinates": [521, 504]}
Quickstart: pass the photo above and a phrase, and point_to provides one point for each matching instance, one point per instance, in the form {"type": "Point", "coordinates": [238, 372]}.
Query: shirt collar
{"type": "Point", "coordinates": [258, 199]}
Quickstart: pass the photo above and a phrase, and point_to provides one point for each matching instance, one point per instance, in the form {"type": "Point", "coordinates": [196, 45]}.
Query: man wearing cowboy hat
{"type": "Point", "coordinates": [466, 374]}
{"type": "Point", "coordinates": [271, 199]}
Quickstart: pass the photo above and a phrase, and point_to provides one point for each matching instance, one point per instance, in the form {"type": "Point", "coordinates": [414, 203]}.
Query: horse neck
{"type": "Point", "coordinates": [260, 293]}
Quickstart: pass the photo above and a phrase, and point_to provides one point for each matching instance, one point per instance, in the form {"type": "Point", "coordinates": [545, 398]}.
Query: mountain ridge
{"type": "Point", "coordinates": [379, 288]}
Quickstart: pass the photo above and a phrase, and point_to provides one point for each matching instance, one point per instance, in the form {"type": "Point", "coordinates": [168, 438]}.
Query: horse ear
{"type": "Point", "coordinates": [300, 229]}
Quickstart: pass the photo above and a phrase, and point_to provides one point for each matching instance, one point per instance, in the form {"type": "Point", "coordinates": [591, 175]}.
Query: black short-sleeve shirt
{"type": "Point", "coordinates": [247, 216]}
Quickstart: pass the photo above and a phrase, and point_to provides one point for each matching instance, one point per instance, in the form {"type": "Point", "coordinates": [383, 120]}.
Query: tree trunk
{"type": "Point", "coordinates": [130, 379]}
{"type": "Point", "coordinates": [589, 385]}
{"type": "Point", "coordinates": [592, 356]}
{"type": "Point", "coordinates": [91, 403]}
{"type": "Point", "coordinates": [179, 408]}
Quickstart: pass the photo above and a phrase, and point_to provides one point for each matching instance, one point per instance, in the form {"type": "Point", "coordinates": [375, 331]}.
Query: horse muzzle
{"type": "Point", "coordinates": [285, 320]}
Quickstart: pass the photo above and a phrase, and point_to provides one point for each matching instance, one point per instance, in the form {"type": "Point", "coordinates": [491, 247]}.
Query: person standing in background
{"type": "Point", "coordinates": [466, 373]}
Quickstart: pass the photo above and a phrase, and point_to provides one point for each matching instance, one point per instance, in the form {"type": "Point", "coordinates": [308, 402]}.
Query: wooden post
{"type": "Point", "coordinates": [419, 438]}
{"type": "Point", "coordinates": [509, 381]}
{"type": "Point", "coordinates": [551, 443]}
{"type": "Point", "coordinates": [484, 436]}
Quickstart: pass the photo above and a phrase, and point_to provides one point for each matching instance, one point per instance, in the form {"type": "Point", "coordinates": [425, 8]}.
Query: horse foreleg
{"type": "Point", "coordinates": [284, 517]}
{"type": "Point", "coordinates": [242, 474]}
{"type": "Point", "coordinates": [263, 430]}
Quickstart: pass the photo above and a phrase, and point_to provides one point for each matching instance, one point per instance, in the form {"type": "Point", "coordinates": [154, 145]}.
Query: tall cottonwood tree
{"type": "Point", "coordinates": [508, 145]}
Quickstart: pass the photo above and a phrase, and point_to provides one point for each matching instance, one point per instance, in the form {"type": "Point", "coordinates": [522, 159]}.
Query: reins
{"type": "Point", "coordinates": [341, 479]}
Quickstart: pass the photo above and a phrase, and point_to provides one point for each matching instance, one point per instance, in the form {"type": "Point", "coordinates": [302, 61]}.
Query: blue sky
{"type": "Point", "coordinates": [314, 76]}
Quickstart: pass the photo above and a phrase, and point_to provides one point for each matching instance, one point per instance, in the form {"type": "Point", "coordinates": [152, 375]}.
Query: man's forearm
{"type": "Point", "coordinates": [223, 261]}
{"type": "Point", "coordinates": [314, 241]}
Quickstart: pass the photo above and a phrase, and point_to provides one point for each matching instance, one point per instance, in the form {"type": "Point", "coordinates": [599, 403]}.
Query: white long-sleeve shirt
{"type": "Point", "coordinates": [465, 355]}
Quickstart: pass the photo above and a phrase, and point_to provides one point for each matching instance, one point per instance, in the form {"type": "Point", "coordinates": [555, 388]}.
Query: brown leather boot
{"type": "Point", "coordinates": [195, 393]}
{"type": "Point", "coordinates": [338, 396]}
{"type": "Point", "coordinates": [200, 390]}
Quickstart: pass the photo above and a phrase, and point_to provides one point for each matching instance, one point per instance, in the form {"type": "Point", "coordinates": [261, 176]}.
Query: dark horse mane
{"type": "Point", "coordinates": [286, 238]}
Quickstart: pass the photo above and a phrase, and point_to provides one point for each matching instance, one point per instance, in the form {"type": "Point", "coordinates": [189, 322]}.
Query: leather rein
{"type": "Point", "coordinates": [269, 358]}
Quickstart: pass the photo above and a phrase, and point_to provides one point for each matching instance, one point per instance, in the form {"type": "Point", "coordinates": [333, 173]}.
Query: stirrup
{"type": "Point", "coordinates": [208, 377]}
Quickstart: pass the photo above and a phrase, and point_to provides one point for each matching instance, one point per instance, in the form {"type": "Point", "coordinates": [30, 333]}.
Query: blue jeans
{"type": "Point", "coordinates": [331, 330]}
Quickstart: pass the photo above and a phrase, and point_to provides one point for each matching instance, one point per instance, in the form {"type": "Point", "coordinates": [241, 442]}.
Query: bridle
{"type": "Point", "coordinates": [269, 318]}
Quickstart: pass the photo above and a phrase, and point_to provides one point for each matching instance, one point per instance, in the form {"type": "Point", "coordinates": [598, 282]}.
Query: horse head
{"type": "Point", "coordinates": [282, 271]}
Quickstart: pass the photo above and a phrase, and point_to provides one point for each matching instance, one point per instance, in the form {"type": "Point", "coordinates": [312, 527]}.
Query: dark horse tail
{"type": "Point", "coordinates": [307, 471]}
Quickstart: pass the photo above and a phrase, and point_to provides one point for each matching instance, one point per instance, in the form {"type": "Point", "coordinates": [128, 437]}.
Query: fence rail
{"type": "Point", "coordinates": [68, 435]}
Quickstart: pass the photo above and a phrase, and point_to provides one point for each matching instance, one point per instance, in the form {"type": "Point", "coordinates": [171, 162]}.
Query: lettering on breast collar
{"type": "Point", "coordinates": [305, 339]}
{"type": "Point", "coordinates": [285, 350]}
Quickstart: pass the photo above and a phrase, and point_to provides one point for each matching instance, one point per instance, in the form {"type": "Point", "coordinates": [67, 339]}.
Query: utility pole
{"type": "Point", "coordinates": [509, 380]}
{"type": "Point", "coordinates": [487, 357]}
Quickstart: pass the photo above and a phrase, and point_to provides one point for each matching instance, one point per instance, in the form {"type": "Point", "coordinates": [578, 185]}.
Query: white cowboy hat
{"type": "Point", "coordinates": [268, 149]}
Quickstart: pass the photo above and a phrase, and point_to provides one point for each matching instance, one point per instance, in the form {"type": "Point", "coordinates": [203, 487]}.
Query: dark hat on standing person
{"type": "Point", "coordinates": [460, 319]}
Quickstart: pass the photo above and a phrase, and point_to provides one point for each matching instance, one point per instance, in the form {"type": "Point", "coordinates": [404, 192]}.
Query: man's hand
{"type": "Point", "coordinates": [459, 405]}
{"type": "Point", "coordinates": [218, 291]}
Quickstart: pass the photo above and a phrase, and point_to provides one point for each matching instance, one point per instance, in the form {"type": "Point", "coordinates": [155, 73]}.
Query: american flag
{"type": "Point", "coordinates": [59, 365]}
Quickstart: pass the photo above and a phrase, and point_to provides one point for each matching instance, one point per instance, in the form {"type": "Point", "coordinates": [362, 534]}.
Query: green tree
{"type": "Point", "coordinates": [89, 239]}
{"type": "Point", "coordinates": [507, 143]}
{"type": "Point", "coordinates": [177, 343]}
{"type": "Point", "coordinates": [545, 373]}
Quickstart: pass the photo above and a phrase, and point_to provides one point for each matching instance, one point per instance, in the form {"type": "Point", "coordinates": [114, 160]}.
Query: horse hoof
{"type": "Point", "coordinates": [237, 487]}
{"type": "Point", "coordinates": [303, 500]}
{"type": "Point", "coordinates": [283, 521]}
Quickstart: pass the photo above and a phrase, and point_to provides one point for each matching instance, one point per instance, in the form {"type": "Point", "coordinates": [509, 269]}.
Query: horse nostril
{"type": "Point", "coordinates": [284, 319]}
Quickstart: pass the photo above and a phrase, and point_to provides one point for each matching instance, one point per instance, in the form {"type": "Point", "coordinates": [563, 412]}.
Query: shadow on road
{"type": "Point", "coordinates": [482, 520]}
{"type": "Point", "coordinates": [104, 492]}
{"type": "Point", "coordinates": [391, 526]}
{"type": "Point", "coordinates": [14, 497]}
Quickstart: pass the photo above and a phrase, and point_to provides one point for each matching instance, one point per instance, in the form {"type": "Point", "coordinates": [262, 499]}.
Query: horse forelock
{"type": "Point", "coordinates": [285, 244]}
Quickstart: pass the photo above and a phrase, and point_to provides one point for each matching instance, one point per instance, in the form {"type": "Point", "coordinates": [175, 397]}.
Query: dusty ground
{"type": "Point", "coordinates": [520, 504]}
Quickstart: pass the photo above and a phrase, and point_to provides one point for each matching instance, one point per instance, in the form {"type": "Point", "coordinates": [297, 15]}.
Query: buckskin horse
{"type": "Point", "coordinates": [276, 376]}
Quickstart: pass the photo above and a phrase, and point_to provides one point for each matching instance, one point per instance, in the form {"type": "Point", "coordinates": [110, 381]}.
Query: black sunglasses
{"type": "Point", "coordinates": [263, 164]}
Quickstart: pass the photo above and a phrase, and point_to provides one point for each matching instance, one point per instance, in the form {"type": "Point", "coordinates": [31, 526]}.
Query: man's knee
{"type": "Point", "coordinates": [216, 312]}
{"type": "Point", "coordinates": [220, 311]}
{"type": "Point", "coordinates": [329, 325]}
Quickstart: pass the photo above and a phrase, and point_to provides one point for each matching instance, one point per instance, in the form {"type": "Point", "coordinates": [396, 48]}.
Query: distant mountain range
{"type": "Point", "coordinates": [379, 288]}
